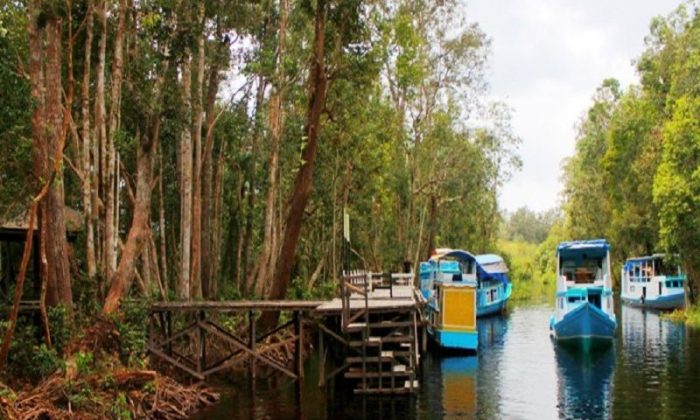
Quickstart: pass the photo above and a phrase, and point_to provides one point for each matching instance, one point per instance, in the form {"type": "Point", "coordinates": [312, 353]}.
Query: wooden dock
{"type": "Point", "coordinates": [376, 320]}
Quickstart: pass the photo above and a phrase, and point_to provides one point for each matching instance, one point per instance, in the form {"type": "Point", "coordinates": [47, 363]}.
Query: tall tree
{"type": "Point", "coordinates": [45, 38]}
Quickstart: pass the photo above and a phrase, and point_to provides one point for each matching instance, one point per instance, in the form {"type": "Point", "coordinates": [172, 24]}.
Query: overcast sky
{"type": "Point", "coordinates": [547, 58]}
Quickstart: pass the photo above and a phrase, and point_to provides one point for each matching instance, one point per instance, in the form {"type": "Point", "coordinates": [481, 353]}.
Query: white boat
{"type": "Point", "coordinates": [653, 282]}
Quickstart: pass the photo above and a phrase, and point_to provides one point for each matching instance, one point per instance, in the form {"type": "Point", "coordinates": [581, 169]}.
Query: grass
{"type": "Point", "coordinates": [690, 316]}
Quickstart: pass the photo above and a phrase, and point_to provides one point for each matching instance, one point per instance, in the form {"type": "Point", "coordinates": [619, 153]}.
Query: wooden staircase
{"type": "Point", "coordinates": [387, 355]}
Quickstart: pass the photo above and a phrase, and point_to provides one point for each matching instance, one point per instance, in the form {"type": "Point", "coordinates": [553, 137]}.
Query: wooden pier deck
{"type": "Point", "coordinates": [404, 297]}
{"type": "Point", "coordinates": [376, 323]}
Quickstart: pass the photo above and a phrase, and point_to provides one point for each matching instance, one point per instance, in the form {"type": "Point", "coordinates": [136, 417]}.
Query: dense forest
{"type": "Point", "coordinates": [181, 150]}
{"type": "Point", "coordinates": [213, 150]}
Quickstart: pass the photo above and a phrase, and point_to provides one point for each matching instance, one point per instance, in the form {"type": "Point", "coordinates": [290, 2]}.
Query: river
{"type": "Point", "coordinates": [652, 370]}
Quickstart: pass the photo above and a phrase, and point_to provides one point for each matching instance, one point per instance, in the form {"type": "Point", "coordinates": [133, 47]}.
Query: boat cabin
{"type": "Point", "coordinates": [583, 269]}
{"type": "Point", "coordinates": [652, 277]}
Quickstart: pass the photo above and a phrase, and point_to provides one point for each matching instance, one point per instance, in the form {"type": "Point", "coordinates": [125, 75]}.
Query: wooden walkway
{"type": "Point", "coordinates": [376, 320]}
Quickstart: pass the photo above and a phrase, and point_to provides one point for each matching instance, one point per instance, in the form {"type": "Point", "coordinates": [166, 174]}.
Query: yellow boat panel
{"type": "Point", "coordinates": [458, 309]}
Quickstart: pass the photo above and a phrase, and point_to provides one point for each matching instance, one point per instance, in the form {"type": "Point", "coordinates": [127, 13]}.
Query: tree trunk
{"type": "Point", "coordinates": [52, 215]}
{"type": "Point", "coordinates": [139, 231]}
{"type": "Point", "coordinates": [208, 262]}
{"type": "Point", "coordinates": [111, 238]}
{"type": "Point", "coordinates": [186, 184]}
{"type": "Point", "coordinates": [433, 226]}
{"type": "Point", "coordinates": [248, 238]}
{"type": "Point", "coordinates": [161, 219]}
{"type": "Point", "coordinates": [268, 255]}
{"type": "Point", "coordinates": [302, 184]}
{"type": "Point", "coordinates": [86, 164]}
{"type": "Point", "coordinates": [101, 142]}
{"type": "Point", "coordinates": [198, 109]}
{"type": "Point", "coordinates": [216, 223]}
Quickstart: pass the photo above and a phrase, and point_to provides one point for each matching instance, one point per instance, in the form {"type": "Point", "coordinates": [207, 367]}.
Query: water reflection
{"type": "Point", "coordinates": [658, 368]}
{"type": "Point", "coordinates": [651, 371]}
{"type": "Point", "coordinates": [459, 385]}
{"type": "Point", "coordinates": [585, 381]}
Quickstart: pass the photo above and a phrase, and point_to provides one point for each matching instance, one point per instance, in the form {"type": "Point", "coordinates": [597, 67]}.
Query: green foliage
{"type": "Point", "coordinates": [60, 326]}
{"type": "Point", "coordinates": [530, 273]}
{"type": "Point", "coordinates": [322, 290]}
{"type": "Point", "coordinates": [529, 226]}
{"type": "Point", "coordinates": [132, 324]}
{"type": "Point", "coordinates": [120, 408]}
{"type": "Point", "coordinates": [634, 178]}
{"type": "Point", "coordinates": [15, 107]}
{"type": "Point", "coordinates": [84, 362]}
{"type": "Point", "coordinates": [80, 394]}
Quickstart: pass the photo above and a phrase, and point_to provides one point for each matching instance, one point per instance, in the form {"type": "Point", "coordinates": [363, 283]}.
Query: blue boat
{"type": "Point", "coordinates": [488, 272]}
{"type": "Point", "coordinates": [451, 305]}
{"type": "Point", "coordinates": [584, 302]}
{"type": "Point", "coordinates": [653, 282]}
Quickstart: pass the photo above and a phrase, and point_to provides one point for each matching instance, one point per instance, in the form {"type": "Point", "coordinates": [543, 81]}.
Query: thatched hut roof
{"type": "Point", "coordinates": [20, 222]}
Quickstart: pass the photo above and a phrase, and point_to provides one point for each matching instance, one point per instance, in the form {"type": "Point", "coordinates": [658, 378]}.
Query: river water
{"type": "Point", "coordinates": [652, 370]}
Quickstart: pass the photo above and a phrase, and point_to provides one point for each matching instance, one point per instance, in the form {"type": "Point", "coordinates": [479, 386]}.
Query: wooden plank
{"type": "Point", "coordinates": [337, 337]}
{"type": "Point", "coordinates": [274, 331]}
{"type": "Point", "coordinates": [189, 328]}
{"type": "Point", "coordinates": [252, 341]}
{"type": "Point", "coordinates": [174, 362]}
{"type": "Point", "coordinates": [298, 347]}
{"type": "Point", "coordinates": [235, 341]}
{"type": "Point", "coordinates": [223, 306]}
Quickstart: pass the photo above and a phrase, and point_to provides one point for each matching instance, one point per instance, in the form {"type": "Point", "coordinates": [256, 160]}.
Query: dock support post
{"type": "Point", "coordinates": [298, 348]}
{"type": "Point", "coordinates": [252, 340]}
{"type": "Point", "coordinates": [201, 344]}
{"type": "Point", "coordinates": [169, 331]}
{"type": "Point", "coordinates": [322, 358]}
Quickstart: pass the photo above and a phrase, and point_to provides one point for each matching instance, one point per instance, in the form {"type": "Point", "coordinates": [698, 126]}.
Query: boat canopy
{"type": "Point", "coordinates": [488, 266]}
{"type": "Point", "coordinates": [492, 263]}
{"type": "Point", "coordinates": [594, 248]}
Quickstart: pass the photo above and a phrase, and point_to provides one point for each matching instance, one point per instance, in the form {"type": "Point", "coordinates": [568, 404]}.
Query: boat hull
{"type": "Point", "coordinates": [455, 340]}
{"type": "Point", "coordinates": [671, 301]}
{"type": "Point", "coordinates": [495, 307]}
{"type": "Point", "coordinates": [492, 308]}
{"type": "Point", "coordinates": [585, 323]}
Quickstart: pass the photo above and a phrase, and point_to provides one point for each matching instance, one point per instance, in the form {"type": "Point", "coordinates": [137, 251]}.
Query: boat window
{"type": "Point", "coordinates": [573, 299]}
{"type": "Point", "coordinates": [595, 300]}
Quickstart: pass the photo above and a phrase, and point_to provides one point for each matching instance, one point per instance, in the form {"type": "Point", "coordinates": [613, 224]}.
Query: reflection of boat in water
{"type": "Point", "coordinates": [584, 305]}
{"type": "Point", "coordinates": [459, 386]}
{"type": "Point", "coordinates": [492, 331]}
{"type": "Point", "coordinates": [653, 282]}
{"type": "Point", "coordinates": [644, 328]}
{"type": "Point", "coordinates": [585, 382]}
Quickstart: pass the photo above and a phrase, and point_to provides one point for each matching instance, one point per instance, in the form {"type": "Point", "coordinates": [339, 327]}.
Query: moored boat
{"type": "Point", "coordinates": [451, 305]}
{"type": "Point", "coordinates": [584, 301]}
{"type": "Point", "coordinates": [487, 271]}
{"type": "Point", "coordinates": [653, 282]}
{"type": "Point", "coordinates": [493, 285]}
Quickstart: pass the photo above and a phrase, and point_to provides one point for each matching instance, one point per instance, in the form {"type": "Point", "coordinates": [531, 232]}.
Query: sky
{"type": "Point", "coordinates": [547, 58]}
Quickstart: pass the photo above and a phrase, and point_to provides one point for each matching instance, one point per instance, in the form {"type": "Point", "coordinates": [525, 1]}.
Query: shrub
{"type": "Point", "coordinates": [132, 324]}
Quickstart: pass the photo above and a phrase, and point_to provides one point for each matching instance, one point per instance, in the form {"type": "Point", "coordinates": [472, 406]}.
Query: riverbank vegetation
{"type": "Point", "coordinates": [634, 176]}
{"type": "Point", "coordinates": [528, 242]}
{"type": "Point", "coordinates": [177, 150]}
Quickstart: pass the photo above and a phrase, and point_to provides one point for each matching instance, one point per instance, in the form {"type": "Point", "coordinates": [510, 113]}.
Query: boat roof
{"type": "Point", "coordinates": [492, 263]}
{"type": "Point", "coordinates": [459, 254]}
{"type": "Point", "coordinates": [646, 258]}
{"type": "Point", "coordinates": [590, 247]}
